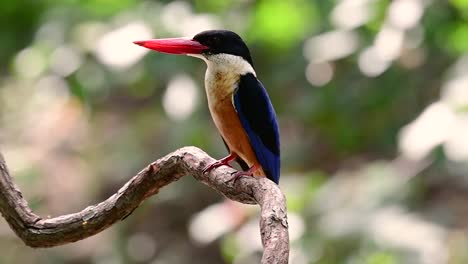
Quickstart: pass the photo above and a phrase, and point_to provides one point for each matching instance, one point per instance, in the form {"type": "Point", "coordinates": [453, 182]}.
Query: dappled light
{"type": "Point", "coordinates": [430, 129]}
{"type": "Point", "coordinates": [65, 60]}
{"type": "Point", "coordinates": [141, 247]}
{"type": "Point", "coordinates": [181, 97]}
{"type": "Point", "coordinates": [405, 14]}
{"type": "Point", "coordinates": [319, 74]}
{"type": "Point", "coordinates": [331, 46]}
{"type": "Point", "coordinates": [30, 63]}
{"type": "Point", "coordinates": [349, 14]}
{"type": "Point", "coordinates": [204, 228]}
{"type": "Point", "coordinates": [371, 98]}
{"type": "Point", "coordinates": [114, 48]}
{"type": "Point", "coordinates": [371, 63]}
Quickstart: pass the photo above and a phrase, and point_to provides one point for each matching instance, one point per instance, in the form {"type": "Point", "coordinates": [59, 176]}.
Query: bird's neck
{"type": "Point", "coordinates": [223, 74]}
{"type": "Point", "coordinates": [227, 63]}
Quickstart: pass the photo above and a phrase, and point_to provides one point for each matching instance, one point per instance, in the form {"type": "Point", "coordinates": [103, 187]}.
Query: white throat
{"type": "Point", "coordinates": [226, 63]}
{"type": "Point", "coordinates": [223, 74]}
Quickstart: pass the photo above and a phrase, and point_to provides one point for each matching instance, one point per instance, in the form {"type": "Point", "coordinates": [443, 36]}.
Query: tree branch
{"type": "Point", "coordinates": [38, 232]}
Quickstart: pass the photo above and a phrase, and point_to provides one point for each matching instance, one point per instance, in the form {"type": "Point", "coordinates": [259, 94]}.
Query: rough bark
{"type": "Point", "coordinates": [39, 232]}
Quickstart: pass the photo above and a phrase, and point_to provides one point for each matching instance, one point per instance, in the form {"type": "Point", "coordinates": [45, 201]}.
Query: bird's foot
{"type": "Point", "coordinates": [224, 161]}
{"type": "Point", "coordinates": [236, 175]}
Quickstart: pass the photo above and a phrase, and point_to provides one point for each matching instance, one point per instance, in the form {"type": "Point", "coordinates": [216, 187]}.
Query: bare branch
{"type": "Point", "coordinates": [38, 232]}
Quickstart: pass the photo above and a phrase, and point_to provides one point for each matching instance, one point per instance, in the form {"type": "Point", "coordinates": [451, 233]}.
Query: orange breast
{"type": "Point", "coordinates": [228, 123]}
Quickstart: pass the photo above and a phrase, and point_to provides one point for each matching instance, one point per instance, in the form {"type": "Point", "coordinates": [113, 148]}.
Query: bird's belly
{"type": "Point", "coordinates": [227, 121]}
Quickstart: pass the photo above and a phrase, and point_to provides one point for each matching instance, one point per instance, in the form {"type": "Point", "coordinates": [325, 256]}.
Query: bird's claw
{"type": "Point", "coordinates": [237, 174]}
{"type": "Point", "coordinates": [224, 161]}
{"type": "Point", "coordinates": [215, 165]}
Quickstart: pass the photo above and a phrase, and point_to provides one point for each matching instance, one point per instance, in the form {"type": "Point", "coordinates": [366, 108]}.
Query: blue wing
{"type": "Point", "coordinates": [258, 118]}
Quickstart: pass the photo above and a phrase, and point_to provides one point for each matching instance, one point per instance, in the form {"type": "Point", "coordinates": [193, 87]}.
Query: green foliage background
{"type": "Point", "coordinates": [72, 138]}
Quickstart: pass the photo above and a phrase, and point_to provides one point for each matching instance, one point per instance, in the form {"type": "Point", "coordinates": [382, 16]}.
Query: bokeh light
{"type": "Point", "coordinates": [30, 63]}
{"type": "Point", "coordinates": [374, 162]}
{"type": "Point", "coordinates": [331, 46]}
{"type": "Point", "coordinates": [115, 48]}
{"type": "Point", "coordinates": [319, 74]}
{"type": "Point", "coordinates": [181, 97]}
{"type": "Point", "coordinates": [371, 63]}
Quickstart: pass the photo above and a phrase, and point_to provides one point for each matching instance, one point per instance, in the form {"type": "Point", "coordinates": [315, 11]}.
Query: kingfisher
{"type": "Point", "coordinates": [239, 103]}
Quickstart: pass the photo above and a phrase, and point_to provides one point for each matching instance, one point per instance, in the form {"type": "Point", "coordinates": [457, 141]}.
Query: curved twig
{"type": "Point", "coordinates": [39, 232]}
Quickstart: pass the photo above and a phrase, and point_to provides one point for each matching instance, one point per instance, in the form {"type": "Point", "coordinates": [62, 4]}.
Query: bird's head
{"type": "Point", "coordinates": [220, 48]}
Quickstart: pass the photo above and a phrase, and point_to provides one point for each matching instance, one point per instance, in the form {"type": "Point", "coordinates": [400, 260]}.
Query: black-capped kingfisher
{"type": "Point", "coordinates": [239, 104]}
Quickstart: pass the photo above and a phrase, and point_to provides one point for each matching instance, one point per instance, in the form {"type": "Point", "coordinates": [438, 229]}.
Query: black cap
{"type": "Point", "coordinates": [223, 41]}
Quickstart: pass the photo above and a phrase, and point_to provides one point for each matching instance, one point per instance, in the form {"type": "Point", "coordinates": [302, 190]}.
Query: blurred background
{"type": "Point", "coordinates": [371, 96]}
